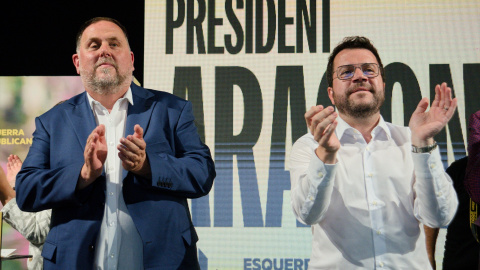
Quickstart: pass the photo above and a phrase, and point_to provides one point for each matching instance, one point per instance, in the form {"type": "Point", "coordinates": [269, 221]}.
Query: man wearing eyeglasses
{"type": "Point", "coordinates": [365, 185]}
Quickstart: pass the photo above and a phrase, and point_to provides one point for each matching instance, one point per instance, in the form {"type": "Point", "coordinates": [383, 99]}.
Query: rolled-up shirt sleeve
{"type": "Point", "coordinates": [311, 182]}
{"type": "Point", "coordinates": [435, 198]}
{"type": "Point", "coordinates": [33, 226]}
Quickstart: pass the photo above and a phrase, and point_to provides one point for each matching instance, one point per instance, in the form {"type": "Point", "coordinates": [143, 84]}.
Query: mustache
{"type": "Point", "coordinates": [363, 85]}
{"type": "Point", "coordinates": [102, 61]}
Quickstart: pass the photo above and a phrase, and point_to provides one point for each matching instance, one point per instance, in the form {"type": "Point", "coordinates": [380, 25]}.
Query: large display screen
{"type": "Point", "coordinates": [252, 68]}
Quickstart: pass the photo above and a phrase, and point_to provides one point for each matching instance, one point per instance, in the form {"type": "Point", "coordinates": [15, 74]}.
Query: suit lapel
{"type": "Point", "coordinates": [81, 118]}
{"type": "Point", "coordinates": [140, 113]}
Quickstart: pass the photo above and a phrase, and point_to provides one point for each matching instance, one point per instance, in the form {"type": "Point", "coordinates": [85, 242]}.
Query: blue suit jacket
{"type": "Point", "coordinates": [181, 167]}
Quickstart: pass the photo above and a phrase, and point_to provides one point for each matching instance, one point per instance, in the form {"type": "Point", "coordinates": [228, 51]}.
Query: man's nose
{"type": "Point", "coordinates": [358, 75]}
{"type": "Point", "coordinates": [105, 51]}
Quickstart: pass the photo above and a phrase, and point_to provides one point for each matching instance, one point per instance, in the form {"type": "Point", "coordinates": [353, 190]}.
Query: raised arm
{"type": "Point", "coordinates": [312, 168]}
{"type": "Point", "coordinates": [436, 201]}
{"type": "Point", "coordinates": [180, 164]}
{"type": "Point", "coordinates": [50, 173]}
{"type": "Point", "coordinates": [33, 226]}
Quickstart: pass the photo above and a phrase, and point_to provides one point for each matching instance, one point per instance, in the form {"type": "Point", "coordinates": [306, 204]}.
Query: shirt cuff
{"type": "Point", "coordinates": [8, 206]}
{"type": "Point", "coordinates": [428, 165]}
{"type": "Point", "coordinates": [321, 174]}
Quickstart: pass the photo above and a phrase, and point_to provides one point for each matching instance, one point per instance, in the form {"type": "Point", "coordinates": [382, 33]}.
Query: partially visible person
{"type": "Point", "coordinates": [472, 175]}
{"type": "Point", "coordinates": [366, 186]}
{"type": "Point", "coordinates": [33, 226]}
{"type": "Point", "coordinates": [116, 164]}
{"type": "Point", "coordinates": [461, 246]}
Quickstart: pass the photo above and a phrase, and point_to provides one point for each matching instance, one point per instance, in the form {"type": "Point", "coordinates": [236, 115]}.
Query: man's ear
{"type": "Point", "coordinates": [330, 94]}
{"type": "Point", "coordinates": [76, 62]}
{"type": "Point", "coordinates": [133, 60]}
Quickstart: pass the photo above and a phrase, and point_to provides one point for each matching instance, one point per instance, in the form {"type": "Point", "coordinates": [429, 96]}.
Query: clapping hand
{"type": "Point", "coordinates": [95, 155]}
{"type": "Point", "coordinates": [322, 123]}
{"type": "Point", "coordinates": [425, 125]}
{"type": "Point", "coordinates": [132, 153]}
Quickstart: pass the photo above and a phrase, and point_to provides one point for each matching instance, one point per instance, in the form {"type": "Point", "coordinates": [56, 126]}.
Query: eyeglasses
{"type": "Point", "coordinates": [346, 72]}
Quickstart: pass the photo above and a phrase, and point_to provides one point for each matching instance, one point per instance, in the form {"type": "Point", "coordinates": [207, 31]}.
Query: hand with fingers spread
{"type": "Point", "coordinates": [425, 125]}
{"type": "Point", "coordinates": [95, 155]}
{"type": "Point", "coordinates": [322, 123]}
{"type": "Point", "coordinates": [132, 153]}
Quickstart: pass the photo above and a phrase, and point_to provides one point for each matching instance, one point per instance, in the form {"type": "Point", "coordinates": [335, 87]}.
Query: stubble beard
{"type": "Point", "coordinates": [359, 110]}
{"type": "Point", "coordinates": [109, 84]}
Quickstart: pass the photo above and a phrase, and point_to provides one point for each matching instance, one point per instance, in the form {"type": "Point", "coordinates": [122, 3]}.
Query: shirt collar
{"type": "Point", "coordinates": [128, 96]}
{"type": "Point", "coordinates": [343, 127]}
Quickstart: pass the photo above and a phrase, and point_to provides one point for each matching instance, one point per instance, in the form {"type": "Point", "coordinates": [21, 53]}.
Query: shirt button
{"type": "Point", "coordinates": [379, 232]}
{"type": "Point", "coordinates": [320, 174]}
{"type": "Point", "coordinates": [432, 165]}
{"type": "Point", "coordinates": [110, 143]}
{"type": "Point", "coordinates": [110, 193]}
{"type": "Point", "coordinates": [374, 202]}
{"type": "Point", "coordinates": [112, 255]}
{"type": "Point", "coordinates": [111, 224]}
{"type": "Point", "coordinates": [380, 263]}
{"type": "Point", "coordinates": [439, 193]}
{"type": "Point", "coordinates": [368, 148]}
{"type": "Point", "coordinates": [310, 198]}
{"type": "Point", "coordinates": [370, 174]}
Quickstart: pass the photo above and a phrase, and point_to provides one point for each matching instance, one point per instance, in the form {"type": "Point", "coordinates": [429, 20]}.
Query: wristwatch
{"type": "Point", "coordinates": [425, 149]}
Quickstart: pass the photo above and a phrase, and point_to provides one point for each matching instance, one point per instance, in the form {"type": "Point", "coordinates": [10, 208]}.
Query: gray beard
{"type": "Point", "coordinates": [104, 86]}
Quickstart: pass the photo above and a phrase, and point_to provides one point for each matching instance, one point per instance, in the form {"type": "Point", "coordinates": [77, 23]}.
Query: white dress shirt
{"type": "Point", "coordinates": [366, 210]}
{"type": "Point", "coordinates": [119, 245]}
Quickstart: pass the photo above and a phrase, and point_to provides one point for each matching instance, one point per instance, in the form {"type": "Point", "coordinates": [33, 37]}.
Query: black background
{"type": "Point", "coordinates": [37, 38]}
